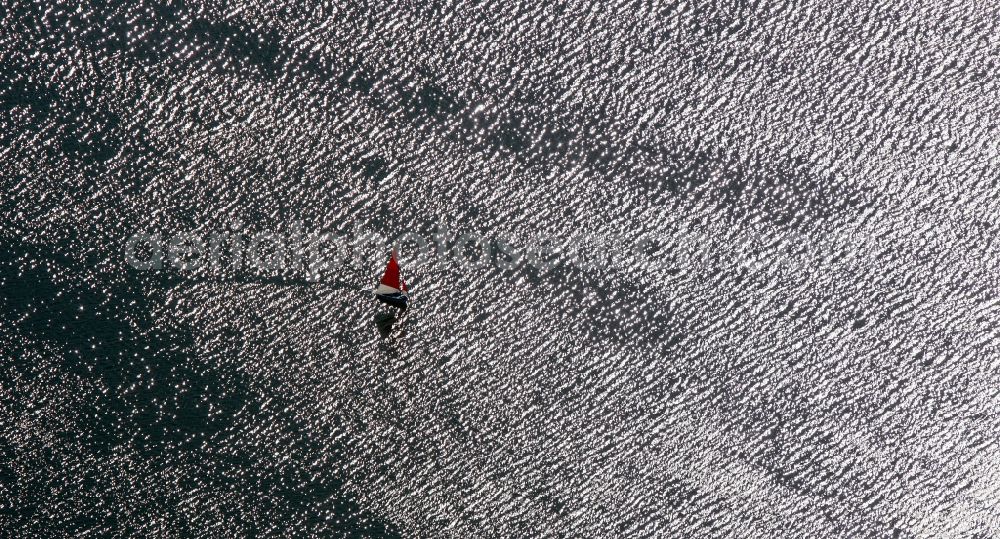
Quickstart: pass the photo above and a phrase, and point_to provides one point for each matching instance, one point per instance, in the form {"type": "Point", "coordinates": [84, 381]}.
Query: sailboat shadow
{"type": "Point", "coordinates": [391, 324]}
{"type": "Point", "coordinates": [384, 322]}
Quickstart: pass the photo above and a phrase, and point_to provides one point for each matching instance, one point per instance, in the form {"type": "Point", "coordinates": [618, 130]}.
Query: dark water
{"type": "Point", "coordinates": [790, 330]}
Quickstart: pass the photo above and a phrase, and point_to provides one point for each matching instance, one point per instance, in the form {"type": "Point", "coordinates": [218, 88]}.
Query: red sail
{"type": "Point", "coordinates": [391, 275]}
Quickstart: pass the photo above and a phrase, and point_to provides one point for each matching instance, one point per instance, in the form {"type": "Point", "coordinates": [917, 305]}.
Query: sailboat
{"type": "Point", "coordinates": [391, 289]}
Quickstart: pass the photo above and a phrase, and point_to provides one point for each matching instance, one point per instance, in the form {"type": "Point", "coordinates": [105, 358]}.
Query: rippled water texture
{"type": "Point", "coordinates": [824, 365]}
